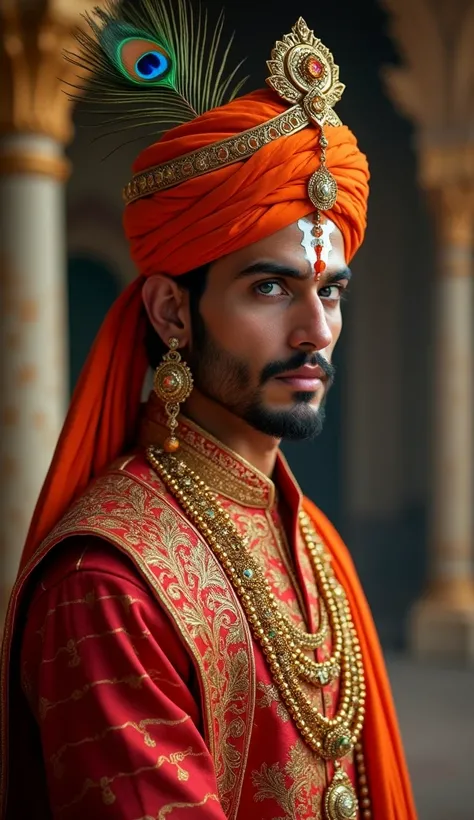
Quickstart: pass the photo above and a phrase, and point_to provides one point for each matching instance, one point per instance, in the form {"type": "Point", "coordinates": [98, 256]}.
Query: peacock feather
{"type": "Point", "coordinates": [160, 60]}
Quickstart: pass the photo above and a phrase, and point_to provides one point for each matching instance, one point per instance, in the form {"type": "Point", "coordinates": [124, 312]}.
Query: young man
{"type": "Point", "coordinates": [188, 637]}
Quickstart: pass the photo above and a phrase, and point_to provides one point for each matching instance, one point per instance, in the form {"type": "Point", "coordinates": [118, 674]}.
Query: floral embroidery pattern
{"type": "Point", "coordinates": [296, 787]}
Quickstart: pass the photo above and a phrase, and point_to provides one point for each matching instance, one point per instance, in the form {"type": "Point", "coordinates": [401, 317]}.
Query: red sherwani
{"type": "Point", "coordinates": [151, 699]}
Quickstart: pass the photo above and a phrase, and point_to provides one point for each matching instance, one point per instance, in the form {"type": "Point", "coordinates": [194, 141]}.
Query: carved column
{"type": "Point", "coordinates": [35, 125]}
{"type": "Point", "coordinates": [433, 89]}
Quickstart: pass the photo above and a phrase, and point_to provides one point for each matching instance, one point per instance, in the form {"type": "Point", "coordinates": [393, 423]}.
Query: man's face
{"type": "Point", "coordinates": [263, 342]}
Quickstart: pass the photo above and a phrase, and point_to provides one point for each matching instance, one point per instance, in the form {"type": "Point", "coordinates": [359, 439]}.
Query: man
{"type": "Point", "coordinates": [187, 637]}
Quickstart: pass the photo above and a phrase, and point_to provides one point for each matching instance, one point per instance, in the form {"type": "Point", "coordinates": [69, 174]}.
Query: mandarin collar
{"type": "Point", "coordinates": [223, 470]}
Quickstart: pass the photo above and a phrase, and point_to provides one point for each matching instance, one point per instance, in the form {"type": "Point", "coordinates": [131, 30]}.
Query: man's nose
{"type": "Point", "coordinates": [312, 329]}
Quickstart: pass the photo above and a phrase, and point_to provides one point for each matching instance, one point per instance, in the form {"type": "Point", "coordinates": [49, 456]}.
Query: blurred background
{"type": "Point", "coordinates": [393, 468]}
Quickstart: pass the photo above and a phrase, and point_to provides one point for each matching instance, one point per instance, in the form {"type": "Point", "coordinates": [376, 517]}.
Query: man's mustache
{"type": "Point", "coordinates": [301, 359]}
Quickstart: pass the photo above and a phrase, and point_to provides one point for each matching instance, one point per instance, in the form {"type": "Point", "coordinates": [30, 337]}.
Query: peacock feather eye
{"type": "Point", "coordinates": [153, 64]}
{"type": "Point", "coordinates": [144, 61]}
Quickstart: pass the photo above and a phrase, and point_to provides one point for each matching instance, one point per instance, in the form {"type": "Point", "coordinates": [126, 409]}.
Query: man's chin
{"type": "Point", "coordinates": [301, 421]}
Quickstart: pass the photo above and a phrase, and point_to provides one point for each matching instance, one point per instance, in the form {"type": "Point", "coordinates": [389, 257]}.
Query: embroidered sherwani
{"type": "Point", "coordinates": [150, 696]}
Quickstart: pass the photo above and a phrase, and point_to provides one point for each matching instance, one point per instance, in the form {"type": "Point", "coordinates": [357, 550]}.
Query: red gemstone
{"type": "Point", "coordinates": [320, 267]}
{"type": "Point", "coordinates": [171, 445]}
{"type": "Point", "coordinates": [315, 68]}
{"type": "Point", "coordinates": [169, 382]}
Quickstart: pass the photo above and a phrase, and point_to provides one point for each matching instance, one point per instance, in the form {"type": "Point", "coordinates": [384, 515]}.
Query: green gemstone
{"type": "Point", "coordinates": [347, 803]}
{"type": "Point", "coordinates": [343, 742]}
{"type": "Point", "coordinates": [272, 633]}
{"type": "Point", "coordinates": [210, 513]}
{"type": "Point", "coordinates": [248, 573]}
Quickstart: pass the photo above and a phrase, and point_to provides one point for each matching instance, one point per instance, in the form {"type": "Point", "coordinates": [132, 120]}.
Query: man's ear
{"type": "Point", "coordinates": [167, 306]}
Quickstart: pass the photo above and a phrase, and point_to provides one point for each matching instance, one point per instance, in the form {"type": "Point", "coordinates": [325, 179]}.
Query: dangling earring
{"type": "Point", "coordinates": [173, 384]}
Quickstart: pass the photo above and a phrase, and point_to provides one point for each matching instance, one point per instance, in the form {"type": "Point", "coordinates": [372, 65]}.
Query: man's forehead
{"type": "Point", "coordinates": [287, 241]}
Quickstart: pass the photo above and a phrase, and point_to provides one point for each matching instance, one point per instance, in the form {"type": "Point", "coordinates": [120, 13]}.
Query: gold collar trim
{"type": "Point", "coordinates": [223, 470]}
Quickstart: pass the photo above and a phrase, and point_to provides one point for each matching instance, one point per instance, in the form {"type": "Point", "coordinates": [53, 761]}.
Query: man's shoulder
{"type": "Point", "coordinates": [114, 494]}
{"type": "Point", "coordinates": [83, 540]}
{"type": "Point", "coordinates": [84, 555]}
{"type": "Point", "coordinates": [133, 466]}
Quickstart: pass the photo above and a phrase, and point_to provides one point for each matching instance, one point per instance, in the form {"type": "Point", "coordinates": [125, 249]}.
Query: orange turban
{"type": "Point", "coordinates": [213, 214]}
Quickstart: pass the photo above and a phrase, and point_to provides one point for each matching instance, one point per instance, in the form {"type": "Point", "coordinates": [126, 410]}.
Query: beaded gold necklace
{"type": "Point", "coordinates": [282, 642]}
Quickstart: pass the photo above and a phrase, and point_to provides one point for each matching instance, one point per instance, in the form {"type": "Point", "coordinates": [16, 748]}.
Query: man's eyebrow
{"type": "Point", "coordinates": [345, 273]}
{"type": "Point", "coordinates": [277, 269]}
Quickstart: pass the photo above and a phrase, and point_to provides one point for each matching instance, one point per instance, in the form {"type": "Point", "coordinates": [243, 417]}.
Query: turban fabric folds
{"type": "Point", "coordinates": [213, 215]}
{"type": "Point", "coordinates": [229, 208]}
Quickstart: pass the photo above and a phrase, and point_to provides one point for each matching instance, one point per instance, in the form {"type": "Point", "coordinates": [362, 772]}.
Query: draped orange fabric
{"type": "Point", "coordinates": [390, 788]}
{"type": "Point", "coordinates": [212, 215]}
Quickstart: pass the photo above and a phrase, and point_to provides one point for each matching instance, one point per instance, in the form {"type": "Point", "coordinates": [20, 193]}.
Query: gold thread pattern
{"type": "Point", "coordinates": [300, 780]}
{"type": "Point", "coordinates": [222, 469]}
{"type": "Point", "coordinates": [141, 727]}
{"type": "Point", "coordinates": [270, 695]}
{"type": "Point", "coordinates": [105, 783]}
{"type": "Point", "coordinates": [166, 810]}
{"type": "Point", "coordinates": [133, 681]}
{"type": "Point", "coordinates": [90, 600]}
{"type": "Point", "coordinates": [71, 647]}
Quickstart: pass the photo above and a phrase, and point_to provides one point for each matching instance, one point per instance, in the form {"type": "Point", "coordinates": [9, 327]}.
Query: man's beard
{"type": "Point", "coordinates": [224, 378]}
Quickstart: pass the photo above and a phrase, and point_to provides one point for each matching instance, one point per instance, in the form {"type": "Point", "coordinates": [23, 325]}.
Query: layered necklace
{"type": "Point", "coordinates": [284, 644]}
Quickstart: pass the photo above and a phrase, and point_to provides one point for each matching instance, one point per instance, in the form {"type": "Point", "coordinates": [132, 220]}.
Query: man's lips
{"type": "Point", "coordinates": [306, 378]}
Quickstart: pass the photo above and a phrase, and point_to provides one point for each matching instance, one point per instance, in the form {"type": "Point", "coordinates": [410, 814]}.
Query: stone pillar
{"type": "Point", "coordinates": [432, 87]}
{"type": "Point", "coordinates": [35, 125]}
{"type": "Point", "coordinates": [443, 620]}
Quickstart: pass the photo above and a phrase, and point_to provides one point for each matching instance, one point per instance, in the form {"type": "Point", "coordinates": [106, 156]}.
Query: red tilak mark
{"type": "Point", "coordinates": [319, 265]}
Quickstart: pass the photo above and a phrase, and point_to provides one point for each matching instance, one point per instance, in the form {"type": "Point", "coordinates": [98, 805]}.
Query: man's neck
{"type": "Point", "coordinates": [257, 448]}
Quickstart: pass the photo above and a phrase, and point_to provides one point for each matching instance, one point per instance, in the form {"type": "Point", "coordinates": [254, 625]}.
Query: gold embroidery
{"type": "Point", "coordinates": [71, 647]}
{"type": "Point", "coordinates": [134, 681]}
{"type": "Point", "coordinates": [224, 481]}
{"type": "Point", "coordinates": [264, 541]}
{"type": "Point", "coordinates": [105, 783]}
{"type": "Point", "coordinates": [224, 471]}
{"type": "Point", "coordinates": [269, 696]}
{"type": "Point", "coordinates": [201, 572]}
{"type": "Point", "coordinates": [288, 561]}
{"type": "Point", "coordinates": [172, 806]}
{"type": "Point", "coordinates": [141, 727]}
{"type": "Point", "coordinates": [90, 599]}
{"type": "Point", "coordinates": [297, 788]}
{"type": "Point", "coordinates": [163, 678]}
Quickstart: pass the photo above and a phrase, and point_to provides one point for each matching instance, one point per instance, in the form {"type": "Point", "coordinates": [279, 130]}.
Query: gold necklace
{"type": "Point", "coordinates": [307, 640]}
{"type": "Point", "coordinates": [332, 738]}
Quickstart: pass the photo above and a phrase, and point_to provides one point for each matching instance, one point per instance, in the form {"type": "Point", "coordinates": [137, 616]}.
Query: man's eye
{"type": "Point", "coordinates": [333, 292]}
{"type": "Point", "coordinates": [269, 289]}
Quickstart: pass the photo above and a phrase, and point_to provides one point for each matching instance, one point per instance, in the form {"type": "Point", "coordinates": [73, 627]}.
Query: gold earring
{"type": "Point", "coordinates": [173, 384]}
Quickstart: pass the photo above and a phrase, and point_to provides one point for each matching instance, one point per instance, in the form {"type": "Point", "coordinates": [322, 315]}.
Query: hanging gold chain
{"type": "Point", "coordinates": [332, 738]}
